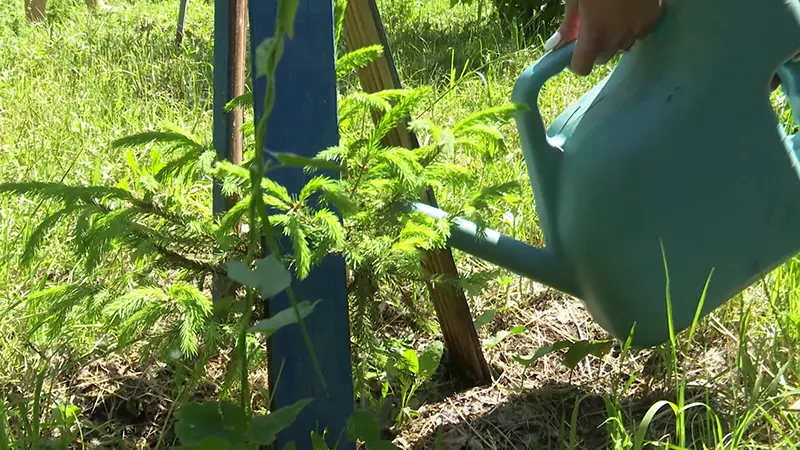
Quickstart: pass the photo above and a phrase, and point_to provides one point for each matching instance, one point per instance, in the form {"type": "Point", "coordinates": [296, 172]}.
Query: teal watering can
{"type": "Point", "coordinates": [675, 164]}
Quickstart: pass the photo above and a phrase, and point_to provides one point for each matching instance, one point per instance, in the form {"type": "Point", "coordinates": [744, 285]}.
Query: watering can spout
{"type": "Point", "coordinates": [544, 161]}
{"type": "Point", "coordinates": [537, 264]}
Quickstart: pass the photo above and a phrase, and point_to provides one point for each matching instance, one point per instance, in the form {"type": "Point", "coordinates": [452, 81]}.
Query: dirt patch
{"type": "Point", "coordinates": [549, 406]}
{"type": "Point", "coordinates": [129, 403]}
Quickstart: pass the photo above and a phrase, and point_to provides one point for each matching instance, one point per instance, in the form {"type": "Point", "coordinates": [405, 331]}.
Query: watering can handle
{"type": "Point", "coordinates": [530, 83]}
{"type": "Point", "coordinates": [790, 85]}
{"type": "Point", "coordinates": [542, 157]}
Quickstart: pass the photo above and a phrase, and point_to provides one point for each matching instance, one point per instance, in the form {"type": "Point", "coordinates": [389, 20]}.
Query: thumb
{"type": "Point", "coordinates": [568, 30]}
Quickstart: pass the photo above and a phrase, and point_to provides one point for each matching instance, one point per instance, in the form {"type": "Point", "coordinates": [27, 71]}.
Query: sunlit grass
{"type": "Point", "coordinates": [70, 88]}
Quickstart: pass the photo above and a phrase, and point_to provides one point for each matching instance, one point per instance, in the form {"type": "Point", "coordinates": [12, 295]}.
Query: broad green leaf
{"type": "Point", "coordinates": [262, 55]}
{"type": "Point", "coordinates": [218, 420]}
{"type": "Point", "coordinates": [274, 277]}
{"type": "Point", "coordinates": [581, 349]}
{"type": "Point", "coordinates": [497, 338]}
{"type": "Point", "coordinates": [411, 360]}
{"type": "Point", "coordinates": [286, 12]}
{"type": "Point", "coordinates": [317, 442]}
{"type": "Point", "coordinates": [212, 443]}
{"type": "Point", "coordinates": [364, 424]}
{"type": "Point", "coordinates": [541, 351]}
{"type": "Point", "coordinates": [485, 318]}
{"type": "Point", "coordinates": [293, 160]}
{"type": "Point", "coordinates": [283, 318]}
{"type": "Point", "coordinates": [241, 273]}
{"type": "Point", "coordinates": [266, 428]}
{"type": "Point", "coordinates": [430, 358]}
{"type": "Point", "coordinates": [290, 446]}
{"type": "Point", "coordinates": [65, 414]}
{"type": "Point", "coordinates": [270, 277]}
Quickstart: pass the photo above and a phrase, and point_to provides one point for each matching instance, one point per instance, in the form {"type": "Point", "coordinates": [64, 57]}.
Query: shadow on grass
{"type": "Point", "coordinates": [554, 416]}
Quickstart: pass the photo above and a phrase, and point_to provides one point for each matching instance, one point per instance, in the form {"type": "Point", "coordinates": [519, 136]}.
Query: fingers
{"type": "Point", "coordinates": [587, 48]}
{"type": "Point", "coordinates": [651, 18]}
{"type": "Point", "coordinates": [585, 53]}
{"type": "Point", "coordinates": [604, 32]}
{"type": "Point", "coordinates": [627, 42]}
{"type": "Point", "coordinates": [569, 27]}
{"type": "Point", "coordinates": [593, 49]}
{"type": "Point", "coordinates": [568, 30]}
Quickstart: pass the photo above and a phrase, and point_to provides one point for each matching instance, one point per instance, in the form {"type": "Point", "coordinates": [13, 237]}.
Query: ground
{"type": "Point", "coordinates": [71, 87]}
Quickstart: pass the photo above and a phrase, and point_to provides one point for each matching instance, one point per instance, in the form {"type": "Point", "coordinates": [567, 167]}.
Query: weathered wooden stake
{"type": "Point", "coordinates": [363, 27]}
{"type": "Point", "coordinates": [238, 47]}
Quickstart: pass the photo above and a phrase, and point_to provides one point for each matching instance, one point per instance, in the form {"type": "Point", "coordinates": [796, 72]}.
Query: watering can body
{"type": "Point", "coordinates": [670, 179]}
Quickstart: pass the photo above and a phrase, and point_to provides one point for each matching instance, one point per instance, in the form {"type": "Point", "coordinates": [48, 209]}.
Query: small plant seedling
{"type": "Point", "coordinates": [412, 369]}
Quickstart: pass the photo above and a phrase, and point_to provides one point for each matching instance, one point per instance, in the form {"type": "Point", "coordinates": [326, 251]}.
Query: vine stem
{"type": "Point", "coordinates": [244, 401]}
{"type": "Point", "coordinates": [257, 211]}
{"type": "Point", "coordinates": [241, 345]}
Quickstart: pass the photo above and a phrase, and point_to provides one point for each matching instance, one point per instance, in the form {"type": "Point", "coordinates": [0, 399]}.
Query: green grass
{"type": "Point", "coordinates": [68, 89]}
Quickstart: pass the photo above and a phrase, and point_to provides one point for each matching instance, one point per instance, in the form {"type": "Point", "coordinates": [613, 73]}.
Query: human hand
{"type": "Point", "coordinates": [603, 28]}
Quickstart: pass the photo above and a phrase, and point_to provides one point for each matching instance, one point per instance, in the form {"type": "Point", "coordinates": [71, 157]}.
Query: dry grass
{"type": "Point", "coordinates": [128, 402]}
{"type": "Point", "coordinates": [533, 406]}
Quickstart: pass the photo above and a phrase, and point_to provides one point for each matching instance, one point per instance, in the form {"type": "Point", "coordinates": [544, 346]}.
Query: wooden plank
{"type": "Point", "coordinates": [305, 121]}
{"type": "Point", "coordinates": [363, 27]}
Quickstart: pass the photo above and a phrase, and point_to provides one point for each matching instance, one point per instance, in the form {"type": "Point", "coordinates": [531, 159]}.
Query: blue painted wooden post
{"type": "Point", "coordinates": [222, 92]}
{"type": "Point", "coordinates": [304, 121]}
